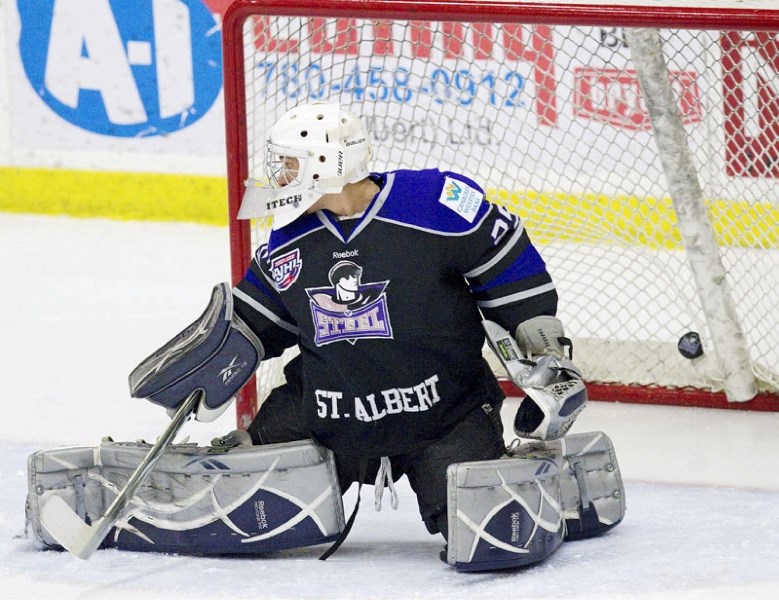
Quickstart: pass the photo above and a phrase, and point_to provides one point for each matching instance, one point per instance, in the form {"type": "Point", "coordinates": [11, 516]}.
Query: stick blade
{"type": "Point", "coordinates": [65, 526]}
{"type": "Point", "coordinates": [82, 539]}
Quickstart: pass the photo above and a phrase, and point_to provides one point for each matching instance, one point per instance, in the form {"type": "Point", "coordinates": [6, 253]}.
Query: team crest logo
{"type": "Point", "coordinates": [285, 269]}
{"type": "Point", "coordinates": [349, 309]}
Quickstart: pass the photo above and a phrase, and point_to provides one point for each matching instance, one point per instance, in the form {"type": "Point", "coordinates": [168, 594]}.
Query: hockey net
{"type": "Point", "coordinates": [639, 145]}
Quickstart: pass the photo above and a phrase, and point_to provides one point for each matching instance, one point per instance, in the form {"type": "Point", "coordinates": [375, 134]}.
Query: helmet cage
{"type": "Point", "coordinates": [279, 170]}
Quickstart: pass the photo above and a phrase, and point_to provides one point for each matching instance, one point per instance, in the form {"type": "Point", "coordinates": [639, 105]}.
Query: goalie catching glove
{"type": "Point", "coordinates": [217, 354]}
{"type": "Point", "coordinates": [536, 363]}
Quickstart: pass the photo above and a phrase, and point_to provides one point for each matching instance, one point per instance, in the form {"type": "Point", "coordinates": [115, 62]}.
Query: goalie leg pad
{"type": "Point", "coordinates": [218, 353]}
{"type": "Point", "coordinates": [592, 492]}
{"type": "Point", "coordinates": [503, 513]}
{"type": "Point", "coordinates": [251, 500]}
{"type": "Point", "coordinates": [67, 472]}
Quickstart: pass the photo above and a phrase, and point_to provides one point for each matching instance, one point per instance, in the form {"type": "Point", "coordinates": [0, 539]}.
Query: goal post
{"type": "Point", "coordinates": [709, 276]}
{"type": "Point", "coordinates": [639, 143]}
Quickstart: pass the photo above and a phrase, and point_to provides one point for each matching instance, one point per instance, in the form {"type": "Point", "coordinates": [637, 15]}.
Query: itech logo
{"type": "Point", "coordinates": [123, 69]}
{"type": "Point", "coordinates": [294, 199]}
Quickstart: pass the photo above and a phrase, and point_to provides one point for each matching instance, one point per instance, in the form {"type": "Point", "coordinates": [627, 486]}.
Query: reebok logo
{"type": "Point", "coordinates": [232, 370]}
{"type": "Point", "coordinates": [208, 463]}
{"type": "Point", "coordinates": [543, 337]}
{"type": "Point", "coordinates": [545, 467]}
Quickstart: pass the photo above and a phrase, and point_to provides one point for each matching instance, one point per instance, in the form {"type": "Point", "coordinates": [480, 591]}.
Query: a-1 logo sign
{"type": "Point", "coordinates": [119, 68]}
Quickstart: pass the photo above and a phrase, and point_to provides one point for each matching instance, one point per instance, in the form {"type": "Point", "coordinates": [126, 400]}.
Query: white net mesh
{"type": "Point", "coordinates": [551, 121]}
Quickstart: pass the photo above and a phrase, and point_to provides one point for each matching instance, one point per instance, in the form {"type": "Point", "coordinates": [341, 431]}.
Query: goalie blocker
{"type": "Point", "coordinates": [250, 500]}
{"type": "Point", "coordinates": [516, 511]}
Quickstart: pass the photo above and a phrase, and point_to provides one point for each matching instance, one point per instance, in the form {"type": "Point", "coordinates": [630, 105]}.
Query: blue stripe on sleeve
{"type": "Point", "coordinates": [250, 277]}
{"type": "Point", "coordinates": [527, 264]}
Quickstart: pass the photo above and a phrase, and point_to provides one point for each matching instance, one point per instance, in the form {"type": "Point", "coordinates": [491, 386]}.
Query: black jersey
{"type": "Point", "coordinates": [387, 311]}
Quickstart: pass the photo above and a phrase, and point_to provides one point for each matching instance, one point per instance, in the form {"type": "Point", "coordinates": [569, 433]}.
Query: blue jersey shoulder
{"type": "Point", "coordinates": [438, 201]}
{"type": "Point", "coordinates": [289, 233]}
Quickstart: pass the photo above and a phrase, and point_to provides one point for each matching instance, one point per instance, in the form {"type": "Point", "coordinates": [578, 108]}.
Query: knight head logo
{"type": "Point", "coordinates": [349, 309]}
{"type": "Point", "coordinates": [345, 278]}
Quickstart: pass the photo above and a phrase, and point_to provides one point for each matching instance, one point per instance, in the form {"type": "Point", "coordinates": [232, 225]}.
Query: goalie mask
{"type": "Point", "coordinates": [313, 149]}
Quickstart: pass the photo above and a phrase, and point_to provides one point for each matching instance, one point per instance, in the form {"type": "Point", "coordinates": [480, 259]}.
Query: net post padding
{"type": "Point", "coordinates": [702, 251]}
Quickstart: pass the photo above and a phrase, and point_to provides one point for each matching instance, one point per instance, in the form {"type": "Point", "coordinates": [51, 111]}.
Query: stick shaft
{"type": "Point", "coordinates": [82, 539]}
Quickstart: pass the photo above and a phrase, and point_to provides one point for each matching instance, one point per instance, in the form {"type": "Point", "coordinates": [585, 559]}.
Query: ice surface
{"type": "Point", "coordinates": [83, 301]}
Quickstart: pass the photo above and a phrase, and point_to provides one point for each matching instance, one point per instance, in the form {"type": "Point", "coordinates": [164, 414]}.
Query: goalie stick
{"type": "Point", "coordinates": [505, 347]}
{"type": "Point", "coordinates": [82, 539]}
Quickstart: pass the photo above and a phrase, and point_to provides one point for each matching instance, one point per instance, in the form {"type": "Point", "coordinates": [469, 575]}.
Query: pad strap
{"type": "Point", "coordinates": [592, 492]}
{"type": "Point", "coordinates": [342, 538]}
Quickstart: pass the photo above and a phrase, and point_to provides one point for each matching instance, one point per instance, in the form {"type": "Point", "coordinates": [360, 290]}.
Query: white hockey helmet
{"type": "Point", "coordinates": [312, 150]}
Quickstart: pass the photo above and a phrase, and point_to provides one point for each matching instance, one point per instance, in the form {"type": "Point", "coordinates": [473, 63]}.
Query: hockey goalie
{"type": "Point", "coordinates": [388, 283]}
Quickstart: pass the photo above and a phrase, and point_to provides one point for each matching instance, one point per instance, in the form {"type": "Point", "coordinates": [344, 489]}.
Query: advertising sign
{"type": "Point", "coordinates": [142, 76]}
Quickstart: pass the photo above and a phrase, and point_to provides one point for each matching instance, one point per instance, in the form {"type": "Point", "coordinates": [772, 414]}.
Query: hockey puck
{"type": "Point", "coordinates": [690, 345]}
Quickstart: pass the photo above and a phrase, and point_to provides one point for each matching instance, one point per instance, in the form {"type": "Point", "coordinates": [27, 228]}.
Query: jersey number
{"type": "Point", "coordinates": [502, 225]}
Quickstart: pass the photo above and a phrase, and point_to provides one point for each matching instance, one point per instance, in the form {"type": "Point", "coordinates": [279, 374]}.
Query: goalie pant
{"type": "Point", "coordinates": [503, 513]}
